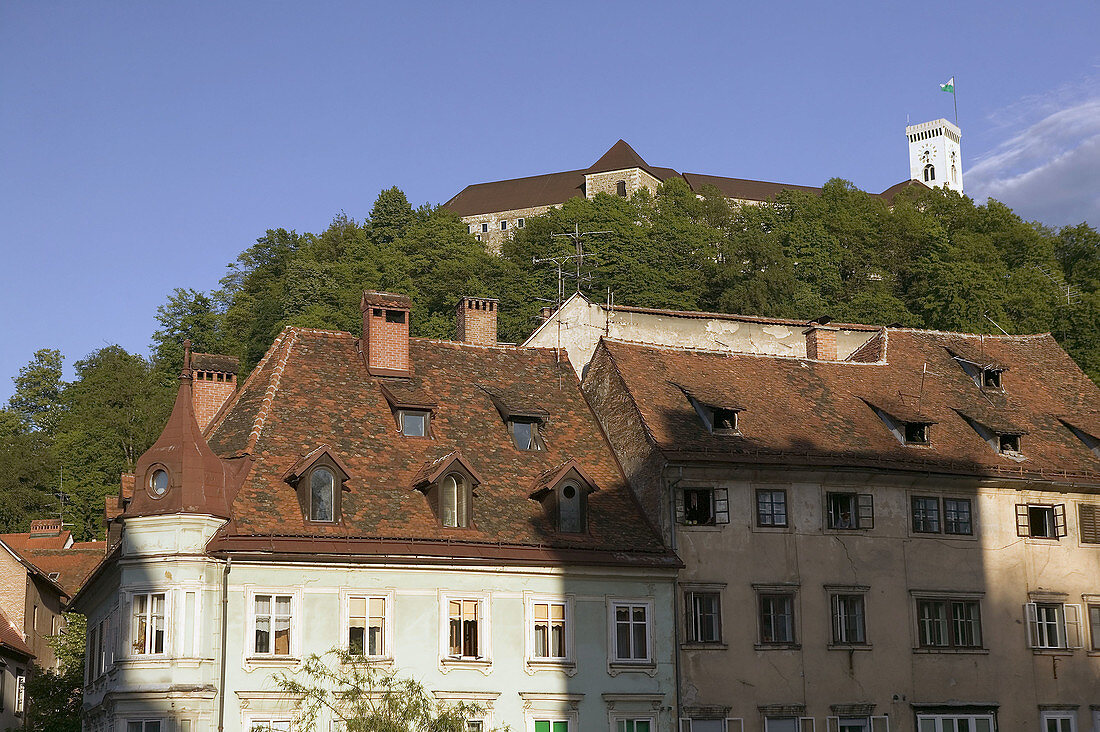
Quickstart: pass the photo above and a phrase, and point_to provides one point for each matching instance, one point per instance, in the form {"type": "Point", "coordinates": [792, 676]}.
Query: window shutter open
{"type": "Point", "coordinates": [125, 626]}
{"type": "Point", "coordinates": [805, 724]}
{"type": "Point", "coordinates": [1089, 518]}
{"type": "Point", "coordinates": [866, 506]}
{"type": "Point", "coordinates": [721, 506]}
{"type": "Point", "coordinates": [1023, 526]}
{"type": "Point", "coordinates": [832, 724]}
{"type": "Point", "coordinates": [1031, 617]}
{"type": "Point", "coordinates": [678, 499]}
{"type": "Point", "coordinates": [735, 724]}
{"type": "Point", "coordinates": [685, 724]}
{"type": "Point", "coordinates": [880, 724]}
{"type": "Point", "coordinates": [1073, 626]}
{"type": "Point", "coordinates": [1060, 519]}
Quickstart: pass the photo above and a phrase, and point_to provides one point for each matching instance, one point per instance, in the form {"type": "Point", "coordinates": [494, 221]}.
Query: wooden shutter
{"type": "Point", "coordinates": [1073, 626]}
{"type": "Point", "coordinates": [805, 724]}
{"type": "Point", "coordinates": [880, 724]}
{"type": "Point", "coordinates": [1023, 525]}
{"type": "Point", "coordinates": [832, 724]}
{"type": "Point", "coordinates": [1060, 520]}
{"type": "Point", "coordinates": [1031, 617]}
{"type": "Point", "coordinates": [1088, 516]}
{"type": "Point", "coordinates": [866, 506]}
{"type": "Point", "coordinates": [721, 506]}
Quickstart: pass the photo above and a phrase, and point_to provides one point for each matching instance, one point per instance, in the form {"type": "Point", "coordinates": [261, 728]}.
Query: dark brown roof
{"type": "Point", "coordinates": [552, 189]}
{"type": "Point", "coordinates": [71, 566]}
{"type": "Point", "coordinates": [816, 413]}
{"type": "Point", "coordinates": [215, 362]}
{"type": "Point", "coordinates": [740, 188]}
{"type": "Point", "coordinates": [11, 639]}
{"type": "Point", "coordinates": [312, 388]}
{"type": "Point", "coordinates": [890, 193]}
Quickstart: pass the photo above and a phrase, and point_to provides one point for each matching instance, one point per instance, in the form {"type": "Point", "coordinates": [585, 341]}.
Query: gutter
{"type": "Point", "coordinates": [675, 592]}
{"type": "Point", "coordinates": [225, 623]}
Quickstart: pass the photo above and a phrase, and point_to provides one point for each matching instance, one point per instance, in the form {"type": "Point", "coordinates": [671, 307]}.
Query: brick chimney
{"type": "Point", "coordinates": [45, 527]}
{"type": "Point", "coordinates": [215, 380]}
{"type": "Point", "coordinates": [821, 343]}
{"type": "Point", "coordinates": [385, 341]}
{"type": "Point", "coordinates": [477, 320]}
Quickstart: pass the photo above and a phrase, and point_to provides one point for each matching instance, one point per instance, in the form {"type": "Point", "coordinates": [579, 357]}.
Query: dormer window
{"type": "Point", "coordinates": [563, 492]}
{"type": "Point", "coordinates": [449, 484]}
{"type": "Point", "coordinates": [916, 433]}
{"type": "Point", "coordinates": [998, 432]}
{"type": "Point", "coordinates": [322, 494]}
{"type": "Point", "coordinates": [319, 478]}
{"type": "Point", "coordinates": [986, 374]}
{"type": "Point", "coordinates": [718, 415]}
{"type": "Point", "coordinates": [1009, 444]}
{"type": "Point", "coordinates": [991, 378]}
{"type": "Point", "coordinates": [454, 501]}
{"type": "Point", "coordinates": [525, 433]}
{"type": "Point", "coordinates": [413, 422]}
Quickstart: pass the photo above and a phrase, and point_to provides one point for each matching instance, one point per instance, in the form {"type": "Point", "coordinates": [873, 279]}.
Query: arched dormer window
{"type": "Point", "coordinates": [620, 188]}
{"type": "Point", "coordinates": [563, 492]}
{"type": "Point", "coordinates": [319, 477]}
{"type": "Point", "coordinates": [929, 173]}
{"type": "Point", "coordinates": [454, 501]}
{"type": "Point", "coordinates": [449, 484]}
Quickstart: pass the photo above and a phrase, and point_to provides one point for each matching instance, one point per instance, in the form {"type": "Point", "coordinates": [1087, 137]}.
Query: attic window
{"type": "Point", "coordinates": [570, 509]}
{"type": "Point", "coordinates": [413, 422]}
{"type": "Point", "coordinates": [318, 478]}
{"type": "Point", "coordinates": [916, 433]}
{"type": "Point", "coordinates": [991, 378]}
{"type": "Point", "coordinates": [54, 576]}
{"type": "Point", "coordinates": [718, 420]}
{"type": "Point", "coordinates": [322, 494]}
{"type": "Point", "coordinates": [1008, 444]}
{"type": "Point", "coordinates": [454, 501]}
{"type": "Point", "coordinates": [525, 433]}
{"type": "Point", "coordinates": [563, 493]}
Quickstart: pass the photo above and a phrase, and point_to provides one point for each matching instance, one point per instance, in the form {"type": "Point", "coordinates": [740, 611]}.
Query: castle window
{"type": "Point", "coordinates": [620, 188]}
{"type": "Point", "coordinates": [484, 228]}
{"type": "Point", "coordinates": [520, 223]}
{"type": "Point", "coordinates": [454, 501]}
{"type": "Point", "coordinates": [322, 491]}
{"type": "Point", "coordinates": [929, 173]}
{"type": "Point", "coordinates": [503, 224]}
{"type": "Point", "coordinates": [1041, 521]}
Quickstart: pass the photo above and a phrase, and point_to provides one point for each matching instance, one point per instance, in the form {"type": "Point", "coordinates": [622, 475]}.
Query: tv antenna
{"type": "Point", "coordinates": [1070, 293]}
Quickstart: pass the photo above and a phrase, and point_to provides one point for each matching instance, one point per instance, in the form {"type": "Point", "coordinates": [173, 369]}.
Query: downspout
{"type": "Point", "coordinates": [675, 594]}
{"type": "Point", "coordinates": [225, 625]}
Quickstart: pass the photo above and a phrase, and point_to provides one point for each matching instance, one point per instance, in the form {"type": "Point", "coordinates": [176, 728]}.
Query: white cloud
{"type": "Point", "coordinates": [1048, 170]}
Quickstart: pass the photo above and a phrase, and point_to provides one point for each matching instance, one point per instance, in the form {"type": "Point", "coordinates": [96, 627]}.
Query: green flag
{"type": "Point", "coordinates": [949, 86]}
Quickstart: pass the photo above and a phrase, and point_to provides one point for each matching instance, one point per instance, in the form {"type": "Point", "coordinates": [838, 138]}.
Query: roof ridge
{"type": "Point", "coordinates": [236, 395]}
{"type": "Point", "coordinates": [272, 389]}
{"type": "Point", "coordinates": [731, 354]}
{"type": "Point", "coordinates": [1001, 337]}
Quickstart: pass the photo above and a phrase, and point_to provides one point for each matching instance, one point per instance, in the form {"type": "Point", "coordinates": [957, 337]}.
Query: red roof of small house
{"type": "Point", "coordinates": [802, 412]}
{"type": "Point", "coordinates": [11, 639]}
{"type": "Point", "coordinates": [312, 389]}
{"type": "Point", "coordinates": [68, 567]}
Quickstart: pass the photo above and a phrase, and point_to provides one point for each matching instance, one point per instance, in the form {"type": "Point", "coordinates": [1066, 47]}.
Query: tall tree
{"type": "Point", "coordinates": [37, 397]}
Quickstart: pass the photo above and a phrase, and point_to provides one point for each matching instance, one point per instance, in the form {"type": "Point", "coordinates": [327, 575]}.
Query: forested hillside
{"type": "Point", "coordinates": [935, 260]}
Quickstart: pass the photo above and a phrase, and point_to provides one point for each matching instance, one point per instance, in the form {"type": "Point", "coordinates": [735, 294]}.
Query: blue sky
{"type": "Point", "coordinates": [145, 144]}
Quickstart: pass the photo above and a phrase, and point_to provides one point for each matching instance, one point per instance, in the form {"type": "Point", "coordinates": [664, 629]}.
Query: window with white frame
{"type": "Point", "coordinates": [703, 612]}
{"type": "Point", "coordinates": [268, 725]}
{"type": "Point", "coordinates": [550, 725]}
{"type": "Point", "coordinates": [1041, 521]}
{"type": "Point", "coordinates": [99, 648]}
{"type": "Point", "coordinates": [1053, 625]}
{"type": "Point", "coordinates": [149, 623]}
{"type": "Point", "coordinates": [771, 507]}
{"type": "Point", "coordinates": [788, 724]}
{"type": "Point", "coordinates": [1059, 721]}
{"type": "Point", "coordinates": [858, 723]}
{"type": "Point", "coordinates": [20, 691]}
{"type": "Point", "coordinates": [946, 622]}
{"type": "Point", "coordinates": [548, 630]}
{"type": "Point", "coordinates": [144, 725]}
{"type": "Point", "coordinates": [709, 724]}
{"type": "Point", "coordinates": [849, 620]}
{"type": "Point", "coordinates": [703, 506]}
{"type": "Point", "coordinates": [273, 624]}
{"type": "Point", "coordinates": [465, 634]}
{"type": "Point", "coordinates": [367, 626]}
{"type": "Point", "coordinates": [849, 511]}
{"type": "Point", "coordinates": [1094, 627]}
{"type": "Point", "coordinates": [630, 632]}
{"type": "Point", "coordinates": [634, 724]}
{"type": "Point", "coordinates": [954, 722]}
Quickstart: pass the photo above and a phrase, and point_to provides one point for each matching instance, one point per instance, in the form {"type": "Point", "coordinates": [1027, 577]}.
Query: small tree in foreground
{"type": "Point", "coordinates": [368, 698]}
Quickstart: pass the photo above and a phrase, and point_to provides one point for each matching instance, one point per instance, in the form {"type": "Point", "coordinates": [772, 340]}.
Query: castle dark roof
{"type": "Point", "coordinates": [801, 412]}
{"type": "Point", "coordinates": [312, 388]}
{"type": "Point", "coordinates": [741, 189]}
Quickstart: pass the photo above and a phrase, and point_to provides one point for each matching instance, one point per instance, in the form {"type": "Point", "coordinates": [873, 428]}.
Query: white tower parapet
{"type": "Point", "coordinates": [935, 154]}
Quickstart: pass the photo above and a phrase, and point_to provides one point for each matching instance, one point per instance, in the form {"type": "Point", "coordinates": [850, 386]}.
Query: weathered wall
{"type": "Point", "coordinates": [493, 236]}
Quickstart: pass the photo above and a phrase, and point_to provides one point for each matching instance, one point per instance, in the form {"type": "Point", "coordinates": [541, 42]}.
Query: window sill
{"type": "Point", "coordinates": [698, 646]}
{"type": "Point", "coordinates": [615, 668]}
{"type": "Point", "coordinates": [953, 651]}
{"type": "Point", "coordinates": [701, 527]}
{"type": "Point", "coordinates": [534, 665]}
{"type": "Point", "coordinates": [1054, 651]}
{"type": "Point", "coordinates": [369, 661]}
{"type": "Point", "coordinates": [270, 661]}
{"type": "Point", "coordinates": [777, 646]}
{"type": "Point", "coordinates": [850, 647]}
{"type": "Point", "coordinates": [484, 665]}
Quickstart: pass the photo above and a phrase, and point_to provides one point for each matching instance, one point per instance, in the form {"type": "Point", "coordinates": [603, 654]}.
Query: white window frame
{"type": "Point", "coordinates": [971, 718]}
{"type": "Point", "coordinates": [879, 723]}
{"type": "Point", "coordinates": [613, 658]}
{"type": "Point", "coordinates": [838, 629]}
{"type": "Point", "coordinates": [20, 703]}
{"type": "Point", "coordinates": [804, 724]}
{"type": "Point", "coordinates": [269, 719]}
{"type": "Point", "coordinates": [131, 626]}
{"type": "Point", "coordinates": [529, 602]}
{"type": "Point", "coordinates": [1061, 714]}
{"type": "Point", "coordinates": [484, 630]}
{"type": "Point", "coordinates": [387, 599]}
{"type": "Point", "coordinates": [617, 717]}
{"type": "Point", "coordinates": [1066, 626]}
{"type": "Point", "coordinates": [733, 724]}
{"type": "Point", "coordinates": [162, 724]}
{"type": "Point", "coordinates": [483, 699]}
{"type": "Point", "coordinates": [295, 594]}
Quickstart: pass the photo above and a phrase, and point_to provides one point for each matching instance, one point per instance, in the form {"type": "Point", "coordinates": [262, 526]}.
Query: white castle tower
{"type": "Point", "coordinates": [935, 155]}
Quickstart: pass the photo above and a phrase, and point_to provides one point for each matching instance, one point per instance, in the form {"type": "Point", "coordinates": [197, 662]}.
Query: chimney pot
{"type": "Point", "coordinates": [385, 339]}
{"type": "Point", "coordinates": [477, 320]}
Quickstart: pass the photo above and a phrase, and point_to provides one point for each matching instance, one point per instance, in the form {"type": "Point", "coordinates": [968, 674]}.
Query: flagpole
{"type": "Point", "coordinates": [955, 101]}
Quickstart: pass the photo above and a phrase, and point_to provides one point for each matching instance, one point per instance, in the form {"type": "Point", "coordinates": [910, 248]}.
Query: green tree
{"type": "Point", "coordinates": [188, 314]}
{"type": "Point", "coordinates": [37, 396]}
{"type": "Point", "coordinates": [56, 695]}
{"type": "Point", "coordinates": [368, 698]}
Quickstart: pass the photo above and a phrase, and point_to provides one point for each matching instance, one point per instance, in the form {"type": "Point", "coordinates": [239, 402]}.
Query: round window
{"type": "Point", "coordinates": [158, 482]}
{"type": "Point", "coordinates": [569, 491]}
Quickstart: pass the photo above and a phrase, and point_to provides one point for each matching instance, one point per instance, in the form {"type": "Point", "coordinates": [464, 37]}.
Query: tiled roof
{"type": "Point", "coordinates": [509, 195]}
{"type": "Point", "coordinates": [817, 413]}
{"type": "Point", "coordinates": [28, 541]}
{"type": "Point", "coordinates": [313, 388]}
{"type": "Point", "coordinates": [72, 566]}
{"type": "Point", "coordinates": [745, 190]}
{"type": "Point", "coordinates": [11, 639]}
